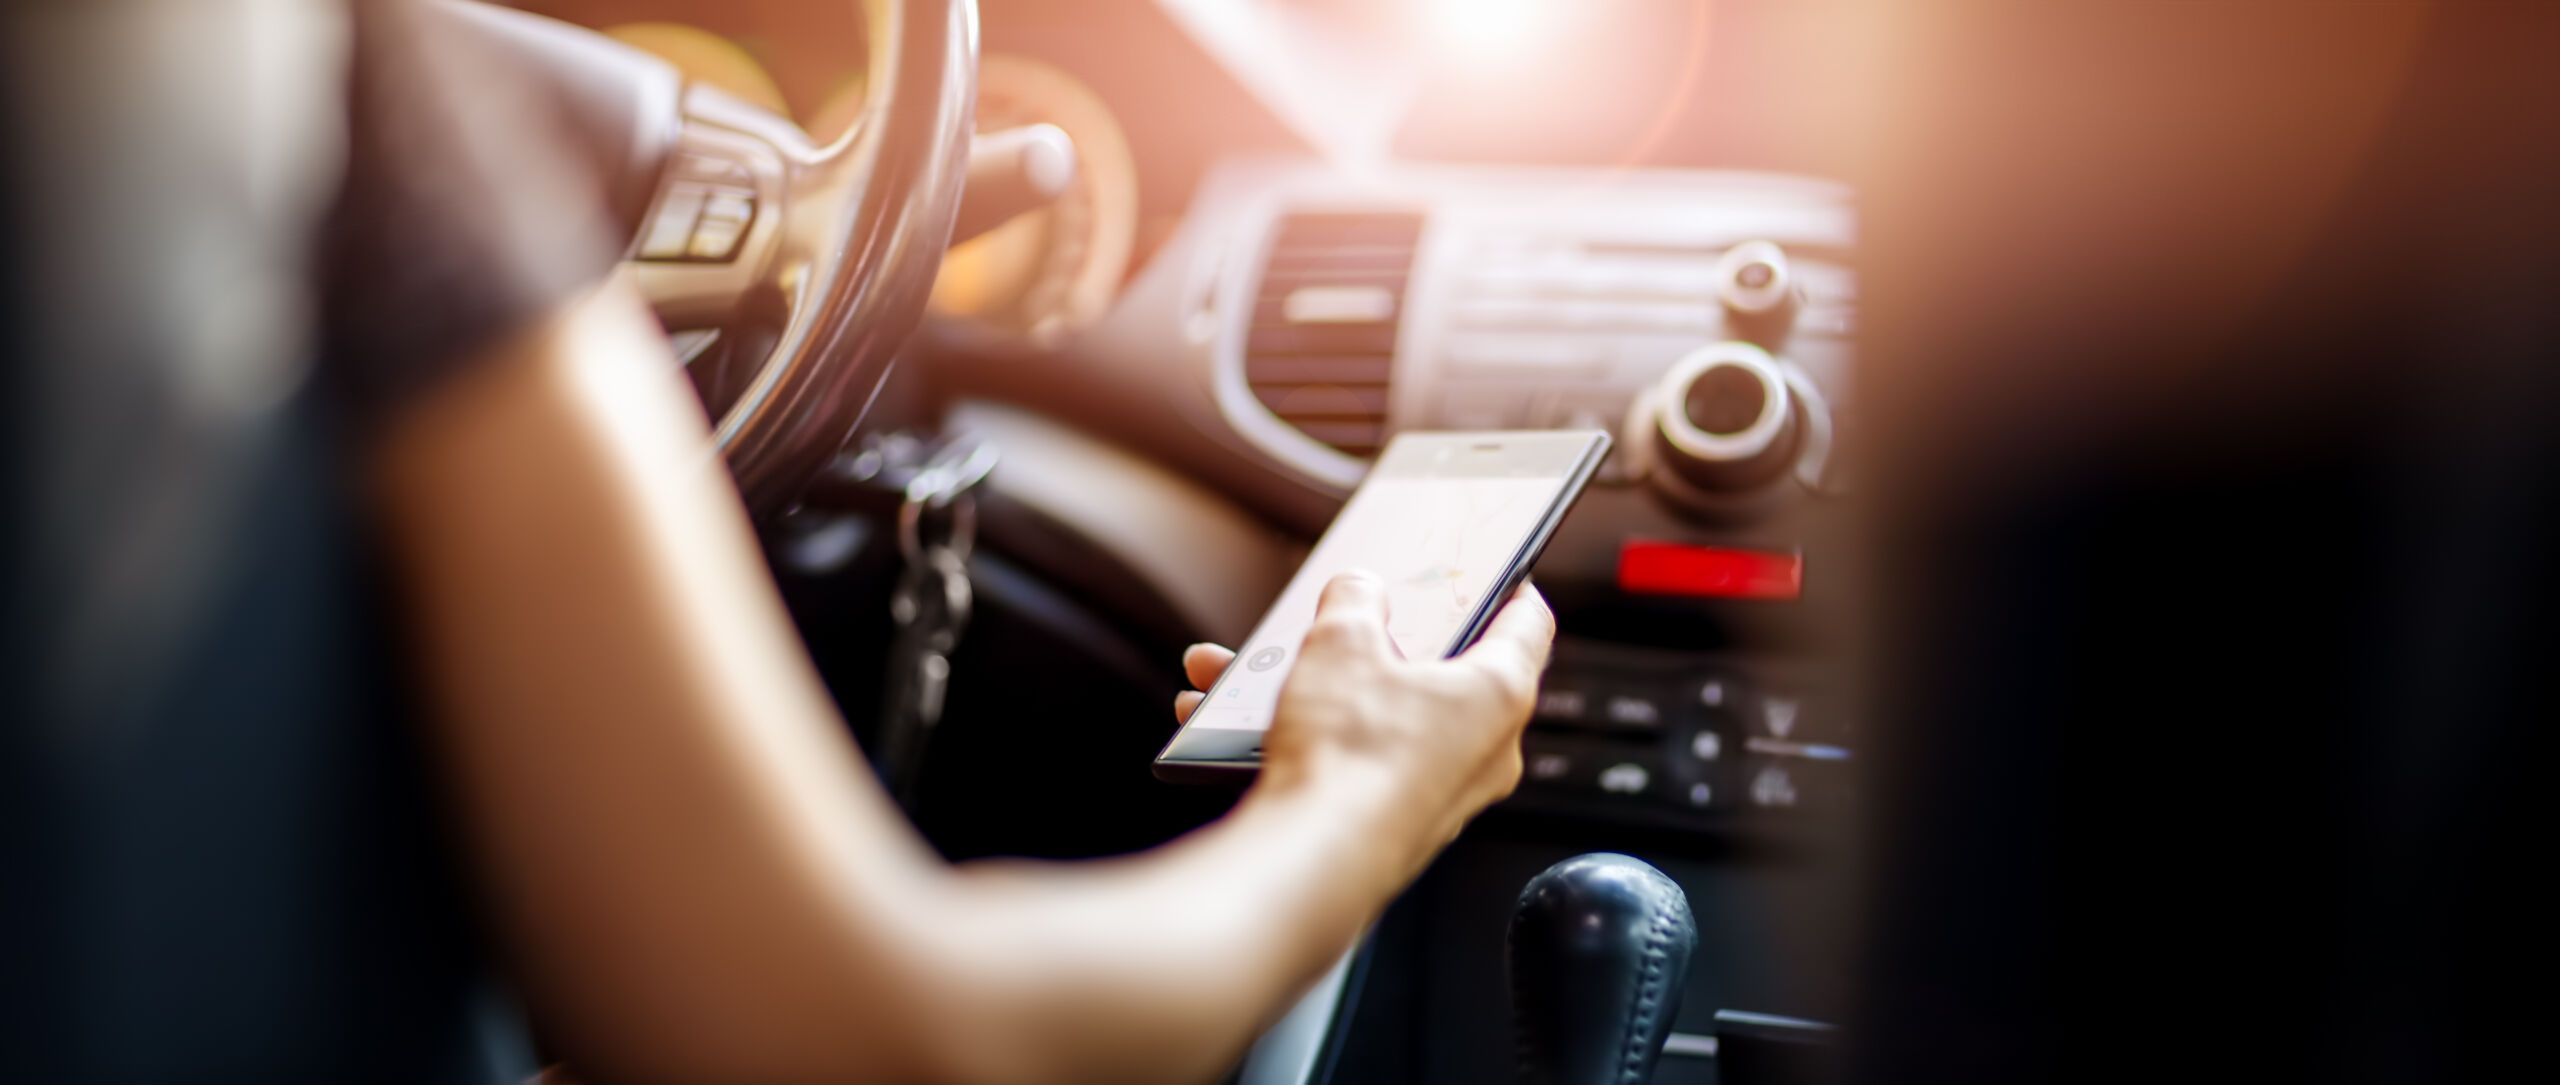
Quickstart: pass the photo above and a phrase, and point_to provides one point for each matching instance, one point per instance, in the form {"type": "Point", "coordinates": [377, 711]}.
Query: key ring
{"type": "Point", "coordinates": [944, 482]}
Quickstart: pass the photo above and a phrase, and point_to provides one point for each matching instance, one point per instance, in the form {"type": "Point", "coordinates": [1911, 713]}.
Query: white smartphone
{"type": "Point", "coordinates": [1451, 521]}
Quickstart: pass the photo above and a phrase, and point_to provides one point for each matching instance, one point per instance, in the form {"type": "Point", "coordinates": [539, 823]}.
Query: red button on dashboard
{"type": "Point", "coordinates": [1708, 572]}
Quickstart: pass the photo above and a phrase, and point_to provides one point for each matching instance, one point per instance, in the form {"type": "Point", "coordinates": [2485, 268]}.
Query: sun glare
{"type": "Point", "coordinates": [1491, 29]}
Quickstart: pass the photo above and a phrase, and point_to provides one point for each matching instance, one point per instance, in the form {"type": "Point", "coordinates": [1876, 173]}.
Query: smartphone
{"type": "Point", "coordinates": [1451, 521]}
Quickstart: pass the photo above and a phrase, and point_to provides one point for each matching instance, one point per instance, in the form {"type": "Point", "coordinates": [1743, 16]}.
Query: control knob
{"type": "Point", "coordinates": [1757, 287]}
{"type": "Point", "coordinates": [1725, 419]}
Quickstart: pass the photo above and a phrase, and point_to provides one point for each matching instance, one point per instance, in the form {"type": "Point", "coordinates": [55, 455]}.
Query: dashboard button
{"type": "Point", "coordinates": [1552, 760]}
{"type": "Point", "coordinates": [1756, 284]}
{"type": "Point", "coordinates": [1630, 710]}
{"type": "Point", "coordinates": [1793, 783]}
{"type": "Point", "coordinates": [1772, 784]}
{"type": "Point", "coordinates": [1796, 715]}
{"type": "Point", "coordinates": [1560, 704]}
{"type": "Point", "coordinates": [1715, 692]}
{"type": "Point", "coordinates": [1706, 745]}
{"type": "Point", "coordinates": [1625, 778]}
{"type": "Point", "coordinates": [1650, 567]}
{"type": "Point", "coordinates": [1779, 714]}
{"type": "Point", "coordinates": [1592, 766]}
{"type": "Point", "coordinates": [1701, 770]}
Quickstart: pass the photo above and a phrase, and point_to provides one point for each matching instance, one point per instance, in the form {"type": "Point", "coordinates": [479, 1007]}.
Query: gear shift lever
{"type": "Point", "coordinates": [1599, 951]}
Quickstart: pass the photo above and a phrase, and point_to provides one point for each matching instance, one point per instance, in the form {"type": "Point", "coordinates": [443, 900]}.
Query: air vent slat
{"type": "Point", "coordinates": [1321, 369]}
{"type": "Point", "coordinates": [1350, 228]}
{"type": "Point", "coordinates": [1275, 283]}
{"type": "Point", "coordinates": [1290, 264]}
{"type": "Point", "coordinates": [1324, 364]}
{"type": "Point", "coordinates": [1324, 400]}
{"type": "Point", "coordinates": [1289, 340]}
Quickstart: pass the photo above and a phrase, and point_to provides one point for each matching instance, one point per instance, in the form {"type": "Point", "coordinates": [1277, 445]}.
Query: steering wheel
{"type": "Point", "coordinates": [809, 264]}
{"type": "Point", "coordinates": [812, 261]}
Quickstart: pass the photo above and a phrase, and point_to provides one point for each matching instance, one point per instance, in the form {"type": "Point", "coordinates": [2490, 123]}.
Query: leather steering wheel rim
{"type": "Point", "coordinates": [863, 226]}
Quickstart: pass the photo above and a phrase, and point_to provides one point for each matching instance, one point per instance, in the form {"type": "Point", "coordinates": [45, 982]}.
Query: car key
{"type": "Point", "coordinates": [937, 525]}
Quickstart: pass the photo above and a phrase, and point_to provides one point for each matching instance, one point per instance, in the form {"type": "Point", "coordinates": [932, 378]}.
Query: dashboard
{"type": "Point", "coordinates": [1304, 312]}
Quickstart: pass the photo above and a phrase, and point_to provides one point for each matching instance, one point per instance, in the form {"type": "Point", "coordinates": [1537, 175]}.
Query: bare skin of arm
{"type": "Point", "coordinates": [697, 876]}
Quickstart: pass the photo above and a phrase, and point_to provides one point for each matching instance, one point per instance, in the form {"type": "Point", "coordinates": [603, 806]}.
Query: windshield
{"type": "Point", "coordinates": [1732, 84]}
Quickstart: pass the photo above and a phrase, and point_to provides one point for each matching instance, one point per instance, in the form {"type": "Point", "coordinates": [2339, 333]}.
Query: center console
{"type": "Point", "coordinates": [1694, 713]}
{"type": "Point", "coordinates": [1704, 317]}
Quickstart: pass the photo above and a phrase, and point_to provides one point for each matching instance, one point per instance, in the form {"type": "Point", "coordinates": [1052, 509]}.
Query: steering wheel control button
{"type": "Point", "coordinates": [1266, 659]}
{"type": "Point", "coordinates": [671, 229]}
{"type": "Point", "coordinates": [735, 207]}
{"type": "Point", "coordinates": [699, 222]}
{"type": "Point", "coordinates": [714, 240]}
{"type": "Point", "coordinates": [726, 215]}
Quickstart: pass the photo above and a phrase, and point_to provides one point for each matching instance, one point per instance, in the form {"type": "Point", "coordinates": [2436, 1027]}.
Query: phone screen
{"type": "Point", "coordinates": [1444, 519]}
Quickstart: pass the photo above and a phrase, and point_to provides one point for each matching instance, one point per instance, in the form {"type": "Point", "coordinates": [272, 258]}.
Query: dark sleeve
{"type": "Point", "coordinates": [465, 213]}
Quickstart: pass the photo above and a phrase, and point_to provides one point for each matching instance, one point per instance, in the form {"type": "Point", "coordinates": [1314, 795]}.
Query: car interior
{"type": "Point", "coordinates": [1207, 257]}
{"type": "Point", "coordinates": [1043, 339]}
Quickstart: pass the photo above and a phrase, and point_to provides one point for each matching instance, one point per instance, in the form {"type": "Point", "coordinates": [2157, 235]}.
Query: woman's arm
{"type": "Point", "coordinates": [696, 873]}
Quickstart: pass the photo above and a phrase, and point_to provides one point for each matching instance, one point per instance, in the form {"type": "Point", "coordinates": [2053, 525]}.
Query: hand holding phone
{"type": "Point", "coordinates": [1408, 749]}
{"type": "Point", "coordinates": [1450, 523]}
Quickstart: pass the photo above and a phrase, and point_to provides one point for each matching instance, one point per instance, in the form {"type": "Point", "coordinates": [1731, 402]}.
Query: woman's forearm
{"type": "Point", "coordinates": [696, 875]}
{"type": "Point", "coordinates": [1164, 966]}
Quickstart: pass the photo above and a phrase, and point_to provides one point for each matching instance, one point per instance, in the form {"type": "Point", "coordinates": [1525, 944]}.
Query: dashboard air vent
{"type": "Point", "coordinates": [1323, 338]}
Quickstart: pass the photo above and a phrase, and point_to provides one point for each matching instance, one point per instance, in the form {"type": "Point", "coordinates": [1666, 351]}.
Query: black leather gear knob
{"type": "Point", "coordinates": [1599, 951]}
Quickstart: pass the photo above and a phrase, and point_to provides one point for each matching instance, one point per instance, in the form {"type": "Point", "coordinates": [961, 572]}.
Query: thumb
{"type": "Point", "coordinates": [1351, 616]}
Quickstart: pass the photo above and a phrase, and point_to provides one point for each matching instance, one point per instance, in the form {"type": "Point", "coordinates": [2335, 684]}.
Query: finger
{"type": "Point", "coordinates": [1184, 702]}
{"type": "Point", "coordinates": [1516, 644]}
{"type": "Point", "coordinates": [1203, 663]}
{"type": "Point", "coordinates": [1351, 616]}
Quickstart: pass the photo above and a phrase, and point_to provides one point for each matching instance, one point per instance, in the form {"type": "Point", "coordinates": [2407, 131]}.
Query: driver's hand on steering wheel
{"type": "Point", "coordinates": [1438, 740]}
